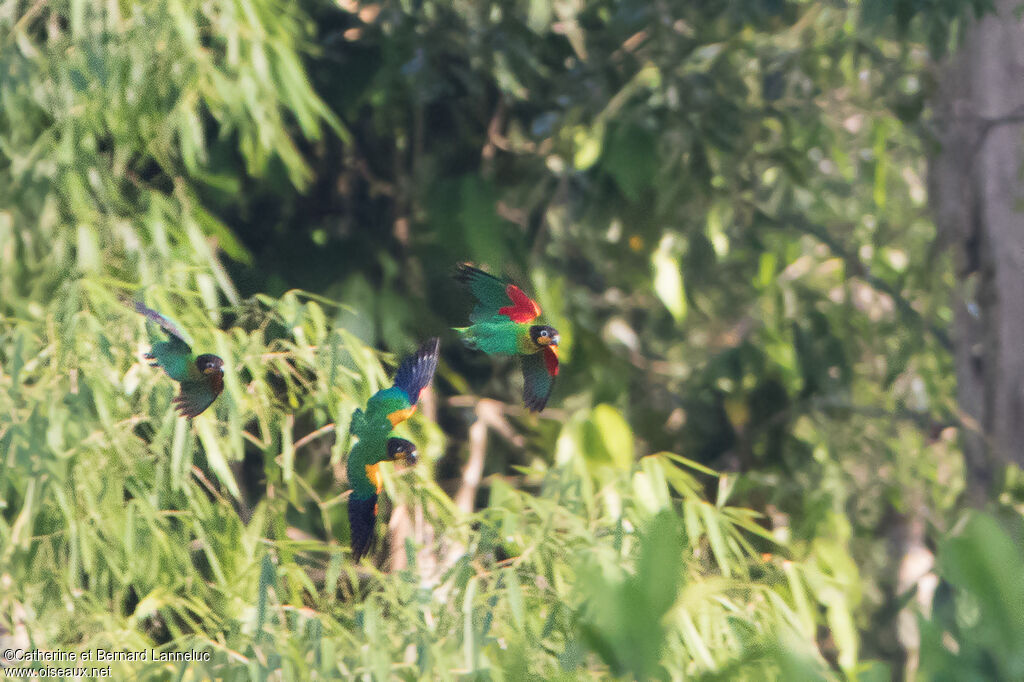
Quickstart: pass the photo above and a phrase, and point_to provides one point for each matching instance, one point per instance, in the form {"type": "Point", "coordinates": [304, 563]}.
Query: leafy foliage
{"type": "Point", "coordinates": [976, 630]}
{"type": "Point", "coordinates": [720, 207]}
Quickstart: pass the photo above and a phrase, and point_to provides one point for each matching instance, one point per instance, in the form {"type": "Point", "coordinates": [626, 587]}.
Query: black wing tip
{"type": "Point", "coordinates": [156, 318]}
{"type": "Point", "coordinates": [536, 403]}
{"type": "Point", "coordinates": [465, 272]}
{"type": "Point", "coordinates": [430, 348]}
{"type": "Point", "coordinates": [187, 409]}
{"type": "Point", "coordinates": [418, 369]}
{"type": "Point", "coordinates": [138, 306]}
{"type": "Point", "coordinates": [362, 517]}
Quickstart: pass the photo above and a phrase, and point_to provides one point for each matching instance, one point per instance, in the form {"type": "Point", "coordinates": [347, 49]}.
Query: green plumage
{"type": "Point", "coordinates": [174, 356]}
{"type": "Point", "coordinates": [384, 403]}
{"type": "Point", "coordinates": [490, 292]}
{"type": "Point", "coordinates": [371, 449]}
{"type": "Point", "coordinates": [201, 377]}
{"type": "Point", "coordinates": [386, 409]}
{"type": "Point", "coordinates": [503, 324]}
{"type": "Point", "coordinates": [498, 336]}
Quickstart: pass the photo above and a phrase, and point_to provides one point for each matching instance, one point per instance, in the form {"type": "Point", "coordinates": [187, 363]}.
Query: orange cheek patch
{"type": "Point", "coordinates": [399, 416]}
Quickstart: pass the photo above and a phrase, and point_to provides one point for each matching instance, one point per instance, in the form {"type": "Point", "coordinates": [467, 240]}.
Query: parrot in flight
{"type": "Point", "coordinates": [201, 377]}
{"type": "Point", "coordinates": [501, 326]}
{"type": "Point", "coordinates": [384, 411]}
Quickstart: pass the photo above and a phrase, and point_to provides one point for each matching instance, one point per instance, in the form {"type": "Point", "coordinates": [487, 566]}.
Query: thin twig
{"type": "Point", "coordinates": [507, 408]}
{"type": "Point", "coordinates": [201, 477]}
{"type": "Point", "coordinates": [328, 428]}
{"type": "Point", "coordinates": [254, 440]}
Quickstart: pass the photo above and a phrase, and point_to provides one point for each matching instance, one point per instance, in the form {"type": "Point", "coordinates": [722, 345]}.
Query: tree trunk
{"type": "Point", "coordinates": [977, 195]}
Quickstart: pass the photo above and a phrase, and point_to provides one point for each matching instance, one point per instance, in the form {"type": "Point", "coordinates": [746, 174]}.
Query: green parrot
{"type": "Point", "coordinates": [385, 410]}
{"type": "Point", "coordinates": [201, 376]}
{"type": "Point", "coordinates": [501, 326]}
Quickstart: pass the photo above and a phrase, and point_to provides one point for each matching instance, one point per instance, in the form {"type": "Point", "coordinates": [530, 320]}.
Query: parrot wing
{"type": "Point", "coordinates": [197, 395]}
{"type": "Point", "coordinates": [417, 370]}
{"type": "Point", "coordinates": [496, 298]}
{"type": "Point", "coordinates": [539, 371]}
{"type": "Point", "coordinates": [165, 323]}
{"type": "Point", "coordinates": [174, 354]}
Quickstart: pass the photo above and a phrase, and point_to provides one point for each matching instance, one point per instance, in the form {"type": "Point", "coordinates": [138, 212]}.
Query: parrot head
{"type": "Point", "coordinates": [401, 450]}
{"type": "Point", "coordinates": [544, 335]}
{"type": "Point", "coordinates": [210, 364]}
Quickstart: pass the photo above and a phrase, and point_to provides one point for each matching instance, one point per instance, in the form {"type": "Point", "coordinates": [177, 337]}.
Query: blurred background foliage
{"type": "Point", "coordinates": [720, 205]}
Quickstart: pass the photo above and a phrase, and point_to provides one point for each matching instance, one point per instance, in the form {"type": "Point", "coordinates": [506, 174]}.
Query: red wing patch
{"type": "Point", "coordinates": [523, 308]}
{"type": "Point", "coordinates": [551, 359]}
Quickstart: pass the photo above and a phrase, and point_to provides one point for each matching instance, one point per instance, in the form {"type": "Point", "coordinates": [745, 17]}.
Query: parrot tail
{"type": "Point", "coordinates": [467, 335]}
{"type": "Point", "coordinates": [362, 516]}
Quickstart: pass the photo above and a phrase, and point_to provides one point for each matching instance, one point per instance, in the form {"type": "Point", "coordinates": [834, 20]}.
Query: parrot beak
{"type": "Point", "coordinates": [554, 340]}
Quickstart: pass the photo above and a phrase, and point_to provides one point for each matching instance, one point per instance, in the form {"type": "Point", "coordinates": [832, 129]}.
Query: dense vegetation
{"type": "Point", "coordinates": [722, 207]}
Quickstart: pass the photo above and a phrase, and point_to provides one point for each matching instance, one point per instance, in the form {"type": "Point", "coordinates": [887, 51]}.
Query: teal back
{"type": "Point", "coordinates": [385, 402]}
{"type": "Point", "coordinates": [176, 358]}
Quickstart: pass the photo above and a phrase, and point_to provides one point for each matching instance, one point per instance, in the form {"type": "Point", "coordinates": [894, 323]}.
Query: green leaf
{"type": "Point", "coordinates": [668, 280]}
{"type": "Point", "coordinates": [268, 579]}
{"type": "Point", "coordinates": [983, 561]}
{"type": "Point", "coordinates": [631, 158]}
{"type": "Point", "coordinates": [215, 457]}
{"type": "Point", "coordinates": [587, 142]}
{"type": "Point", "coordinates": [609, 433]}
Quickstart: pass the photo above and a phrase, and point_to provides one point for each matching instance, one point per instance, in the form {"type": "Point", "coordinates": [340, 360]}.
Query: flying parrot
{"type": "Point", "coordinates": [201, 376]}
{"type": "Point", "coordinates": [384, 411]}
{"type": "Point", "coordinates": [501, 326]}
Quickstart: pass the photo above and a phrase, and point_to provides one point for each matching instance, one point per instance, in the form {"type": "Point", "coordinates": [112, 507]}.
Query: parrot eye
{"type": "Point", "coordinates": [544, 332]}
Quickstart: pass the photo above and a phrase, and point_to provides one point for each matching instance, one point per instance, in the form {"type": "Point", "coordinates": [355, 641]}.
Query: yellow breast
{"type": "Point", "coordinates": [373, 473]}
{"type": "Point", "coordinates": [399, 416]}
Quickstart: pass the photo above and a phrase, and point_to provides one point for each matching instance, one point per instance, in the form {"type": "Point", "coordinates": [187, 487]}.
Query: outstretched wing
{"type": "Point", "coordinates": [169, 327]}
{"type": "Point", "coordinates": [196, 396]}
{"type": "Point", "coordinates": [417, 370]}
{"type": "Point", "coordinates": [539, 371]}
{"type": "Point", "coordinates": [174, 354]}
{"type": "Point", "coordinates": [362, 517]}
{"type": "Point", "coordinates": [495, 297]}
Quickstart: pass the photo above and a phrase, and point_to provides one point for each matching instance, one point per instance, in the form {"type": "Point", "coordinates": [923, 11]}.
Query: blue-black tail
{"type": "Point", "coordinates": [417, 370]}
{"type": "Point", "coordinates": [362, 516]}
